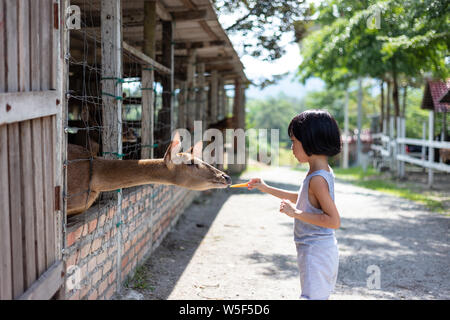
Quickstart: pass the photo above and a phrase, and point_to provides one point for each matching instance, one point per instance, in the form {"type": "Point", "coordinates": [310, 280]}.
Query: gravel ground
{"type": "Point", "coordinates": [234, 244]}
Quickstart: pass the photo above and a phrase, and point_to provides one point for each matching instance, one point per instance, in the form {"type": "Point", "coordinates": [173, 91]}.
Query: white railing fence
{"type": "Point", "coordinates": [390, 149]}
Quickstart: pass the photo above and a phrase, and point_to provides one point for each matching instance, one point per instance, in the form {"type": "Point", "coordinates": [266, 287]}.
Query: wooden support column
{"type": "Point", "coordinates": [214, 94]}
{"type": "Point", "coordinates": [237, 124]}
{"type": "Point", "coordinates": [191, 90]}
{"type": "Point", "coordinates": [165, 115]}
{"type": "Point", "coordinates": [430, 148]}
{"type": "Point", "coordinates": [221, 102]}
{"type": "Point", "coordinates": [111, 72]}
{"type": "Point", "coordinates": [111, 43]}
{"type": "Point", "coordinates": [201, 95]}
{"type": "Point", "coordinates": [148, 96]}
{"type": "Point", "coordinates": [237, 104]}
{"type": "Point", "coordinates": [182, 105]}
{"type": "Point", "coordinates": [242, 120]}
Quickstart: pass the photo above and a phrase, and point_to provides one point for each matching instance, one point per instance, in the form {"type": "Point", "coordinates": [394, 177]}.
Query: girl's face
{"type": "Point", "coordinates": [297, 150]}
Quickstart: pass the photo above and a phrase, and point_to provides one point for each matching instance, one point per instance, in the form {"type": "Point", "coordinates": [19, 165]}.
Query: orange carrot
{"type": "Point", "coordinates": [239, 185]}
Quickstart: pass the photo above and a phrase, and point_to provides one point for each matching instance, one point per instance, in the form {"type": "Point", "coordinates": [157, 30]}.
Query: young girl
{"type": "Point", "coordinates": [315, 137]}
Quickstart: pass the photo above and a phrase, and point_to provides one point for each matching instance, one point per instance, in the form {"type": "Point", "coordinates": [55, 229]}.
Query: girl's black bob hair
{"type": "Point", "coordinates": [317, 131]}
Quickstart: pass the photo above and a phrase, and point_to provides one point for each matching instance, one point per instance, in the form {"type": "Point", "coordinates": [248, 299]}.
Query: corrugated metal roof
{"type": "Point", "coordinates": [434, 91]}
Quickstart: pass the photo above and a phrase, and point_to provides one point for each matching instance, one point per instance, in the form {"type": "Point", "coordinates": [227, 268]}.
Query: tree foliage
{"type": "Point", "coordinates": [413, 38]}
{"type": "Point", "coordinates": [263, 23]}
{"type": "Point", "coordinates": [273, 113]}
{"type": "Point", "coordinates": [411, 42]}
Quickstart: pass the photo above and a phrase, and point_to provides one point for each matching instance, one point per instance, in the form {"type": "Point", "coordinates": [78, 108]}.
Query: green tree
{"type": "Point", "coordinates": [273, 113]}
{"type": "Point", "coordinates": [412, 39]}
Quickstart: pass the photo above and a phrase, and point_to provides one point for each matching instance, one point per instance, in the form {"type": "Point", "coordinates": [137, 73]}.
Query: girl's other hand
{"type": "Point", "coordinates": [257, 183]}
{"type": "Point", "coordinates": [287, 207]}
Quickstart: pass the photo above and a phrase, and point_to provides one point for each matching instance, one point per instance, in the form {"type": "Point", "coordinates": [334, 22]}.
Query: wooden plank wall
{"type": "Point", "coordinates": [27, 148]}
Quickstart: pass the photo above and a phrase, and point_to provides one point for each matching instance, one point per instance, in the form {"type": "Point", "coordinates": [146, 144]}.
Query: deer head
{"type": "Point", "coordinates": [189, 171]}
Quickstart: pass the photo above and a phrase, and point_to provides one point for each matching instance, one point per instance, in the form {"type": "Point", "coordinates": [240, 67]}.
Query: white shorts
{"type": "Point", "coordinates": [318, 265]}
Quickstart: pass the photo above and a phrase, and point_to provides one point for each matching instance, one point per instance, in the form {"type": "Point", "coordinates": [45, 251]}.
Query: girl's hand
{"type": "Point", "coordinates": [257, 183]}
{"type": "Point", "coordinates": [288, 208]}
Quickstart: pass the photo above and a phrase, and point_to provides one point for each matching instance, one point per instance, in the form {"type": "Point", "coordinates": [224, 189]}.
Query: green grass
{"type": "Point", "coordinates": [139, 280]}
{"type": "Point", "coordinates": [373, 180]}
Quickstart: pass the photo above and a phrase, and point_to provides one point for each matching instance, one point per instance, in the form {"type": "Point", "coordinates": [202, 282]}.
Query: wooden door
{"type": "Point", "coordinates": [31, 111]}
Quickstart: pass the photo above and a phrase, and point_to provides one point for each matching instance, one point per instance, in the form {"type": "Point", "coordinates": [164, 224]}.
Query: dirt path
{"type": "Point", "coordinates": [234, 244]}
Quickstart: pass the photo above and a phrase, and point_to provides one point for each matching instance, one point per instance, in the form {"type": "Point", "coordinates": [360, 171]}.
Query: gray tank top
{"type": "Point", "coordinates": [307, 233]}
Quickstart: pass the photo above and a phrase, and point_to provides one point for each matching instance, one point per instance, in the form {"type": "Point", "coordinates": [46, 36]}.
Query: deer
{"type": "Point", "coordinates": [88, 176]}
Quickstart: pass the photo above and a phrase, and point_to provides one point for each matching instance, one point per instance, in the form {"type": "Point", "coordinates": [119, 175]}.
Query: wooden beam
{"type": "Point", "coordinates": [21, 106]}
{"type": "Point", "coordinates": [146, 59]}
{"type": "Point", "coordinates": [191, 15]}
{"type": "Point", "coordinates": [181, 44]}
{"type": "Point", "coordinates": [208, 30]}
{"type": "Point", "coordinates": [189, 4]}
{"type": "Point", "coordinates": [162, 12]}
{"type": "Point", "coordinates": [46, 286]}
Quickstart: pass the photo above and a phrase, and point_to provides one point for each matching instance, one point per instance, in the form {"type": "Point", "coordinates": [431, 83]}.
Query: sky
{"type": "Point", "coordinates": [256, 69]}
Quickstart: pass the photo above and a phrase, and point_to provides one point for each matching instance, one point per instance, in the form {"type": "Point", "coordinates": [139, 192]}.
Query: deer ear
{"type": "Point", "coordinates": [173, 148]}
{"type": "Point", "coordinates": [197, 149]}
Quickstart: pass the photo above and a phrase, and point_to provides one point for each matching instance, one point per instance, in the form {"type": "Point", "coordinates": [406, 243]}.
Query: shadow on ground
{"type": "Point", "coordinates": [166, 265]}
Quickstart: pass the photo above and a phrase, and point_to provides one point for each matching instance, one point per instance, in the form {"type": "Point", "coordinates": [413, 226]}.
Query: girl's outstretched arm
{"type": "Point", "coordinates": [259, 184]}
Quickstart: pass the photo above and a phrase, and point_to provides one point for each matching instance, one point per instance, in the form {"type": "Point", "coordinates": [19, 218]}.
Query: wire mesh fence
{"type": "Point", "coordinates": [88, 99]}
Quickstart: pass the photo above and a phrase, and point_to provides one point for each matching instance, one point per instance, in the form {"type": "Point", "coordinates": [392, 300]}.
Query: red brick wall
{"type": "Point", "coordinates": [104, 246]}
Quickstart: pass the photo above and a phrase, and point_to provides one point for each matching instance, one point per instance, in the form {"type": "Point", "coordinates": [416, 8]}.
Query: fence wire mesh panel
{"type": "Point", "coordinates": [92, 91]}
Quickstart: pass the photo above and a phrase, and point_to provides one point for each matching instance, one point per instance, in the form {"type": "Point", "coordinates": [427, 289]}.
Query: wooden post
{"type": "Point", "coordinates": [111, 72]}
{"type": "Point", "coordinates": [237, 104]}
{"type": "Point", "coordinates": [166, 112]}
{"type": "Point", "coordinates": [214, 96]}
{"type": "Point", "coordinates": [242, 120]}
{"type": "Point", "coordinates": [346, 133]}
{"type": "Point", "coordinates": [430, 148]}
{"type": "Point", "coordinates": [359, 123]}
{"type": "Point", "coordinates": [403, 126]}
{"type": "Point", "coordinates": [424, 137]}
{"type": "Point", "coordinates": [182, 105]}
{"type": "Point", "coordinates": [147, 80]}
{"type": "Point", "coordinates": [398, 144]}
{"type": "Point", "coordinates": [220, 112]}
{"type": "Point", "coordinates": [201, 95]}
{"type": "Point", "coordinates": [191, 90]}
{"type": "Point", "coordinates": [112, 102]}
{"type": "Point", "coordinates": [236, 167]}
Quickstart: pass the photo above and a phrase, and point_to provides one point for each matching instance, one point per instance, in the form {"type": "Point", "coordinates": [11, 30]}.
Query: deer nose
{"type": "Point", "coordinates": [227, 178]}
